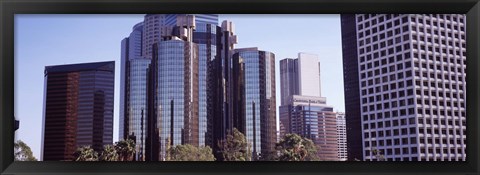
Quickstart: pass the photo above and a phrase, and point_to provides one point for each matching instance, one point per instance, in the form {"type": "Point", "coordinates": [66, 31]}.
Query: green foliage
{"type": "Point", "coordinates": [22, 152]}
{"type": "Point", "coordinates": [125, 150]}
{"type": "Point", "coordinates": [86, 153]}
{"type": "Point", "coordinates": [235, 147]}
{"type": "Point", "coordinates": [269, 156]}
{"type": "Point", "coordinates": [191, 153]}
{"type": "Point", "coordinates": [109, 153]}
{"type": "Point", "coordinates": [378, 154]}
{"type": "Point", "coordinates": [292, 147]}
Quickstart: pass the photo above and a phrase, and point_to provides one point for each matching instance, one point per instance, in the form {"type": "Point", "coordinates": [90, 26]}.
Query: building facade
{"type": "Point", "coordinates": [300, 76]}
{"type": "Point", "coordinates": [78, 108]}
{"type": "Point", "coordinates": [312, 118]}
{"type": "Point", "coordinates": [351, 87]}
{"type": "Point", "coordinates": [411, 72]}
{"type": "Point", "coordinates": [342, 137]}
{"type": "Point", "coordinates": [253, 96]}
{"type": "Point", "coordinates": [131, 48]}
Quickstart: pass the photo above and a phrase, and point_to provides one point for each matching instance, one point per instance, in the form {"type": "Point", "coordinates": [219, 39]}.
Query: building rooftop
{"type": "Point", "coordinates": [107, 65]}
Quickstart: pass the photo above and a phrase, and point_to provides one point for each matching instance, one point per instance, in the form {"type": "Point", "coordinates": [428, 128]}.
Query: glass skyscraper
{"type": "Point", "coordinates": [78, 108]}
{"type": "Point", "coordinates": [137, 107]}
{"type": "Point", "coordinates": [253, 98]}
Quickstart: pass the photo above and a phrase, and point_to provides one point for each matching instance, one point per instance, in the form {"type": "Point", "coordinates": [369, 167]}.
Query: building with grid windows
{"type": "Point", "coordinates": [312, 118]}
{"type": "Point", "coordinates": [78, 109]}
{"type": "Point", "coordinates": [412, 88]}
{"type": "Point", "coordinates": [341, 136]}
{"type": "Point", "coordinates": [303, 111]}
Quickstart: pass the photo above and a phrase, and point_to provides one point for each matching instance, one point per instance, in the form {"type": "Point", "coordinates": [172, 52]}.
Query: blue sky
{"type": "Point", "coordinates": [43, 40]}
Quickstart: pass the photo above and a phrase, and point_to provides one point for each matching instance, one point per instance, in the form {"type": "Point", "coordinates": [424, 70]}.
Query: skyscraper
{"type": "Point", "coordinates": [411, 72]}
{"type": "Point", "coordinates": [219, 102]}
{"type": "Point", "coordinates": [131, 48]}
{"type": "Point", "coordinates": [351, 87]}
{"type": "Point", "coordinates": [78, 108]}
{"type": "Point", "coordinates": [138, 49]}
{"type": "Point", "coordinates": [253, 98]}
{"type": "Point", "coordinates": [303, 110]}
{"type": "Point", "coordinates": [154, 22]}
{"type": "Point", "coordinates": [300, 76]}
{"type": "Point", "coordinates": [312, 118]}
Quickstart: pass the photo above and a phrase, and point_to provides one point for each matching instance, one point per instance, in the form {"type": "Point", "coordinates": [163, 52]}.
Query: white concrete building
{"type": "Point", "coordinates": [412, 86]}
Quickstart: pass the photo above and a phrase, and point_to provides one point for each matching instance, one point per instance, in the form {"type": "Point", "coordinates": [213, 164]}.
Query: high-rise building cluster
{"type": "Point", "coordinates": [405, 86]}
{"type": "Point", "coordinates": [304, 112]}
{"type": "Point", "coordinates": [184, 82]}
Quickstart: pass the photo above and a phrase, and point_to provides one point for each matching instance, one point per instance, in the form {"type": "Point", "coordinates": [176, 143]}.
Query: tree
{"type": "Point", "coordinates": [293, 147]}
{"type": "Point", "coordinates": [269, 156]}
{"type": "Point", "coordinates": [85, 153]}
{"type": "Point", "coordinates": [22, 152]}
{"type": "Point", "coordinates": [125, 150]}
{"type": "Point", "coordinates": [191, 153]}
{"type": "Point", "coordinates": [378, 154]}
{"type": "Point", "coordinates": [109, 153]}
{"type": "Point", "coordinates": [235, 147]}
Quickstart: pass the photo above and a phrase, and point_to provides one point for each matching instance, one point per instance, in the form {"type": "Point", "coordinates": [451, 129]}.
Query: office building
{"type": "Point", "coordinates": [138, 48]}
{"type": "Point", "coordinates": [131, 48]}
{"type": "Point", "coordinates": [78, 108]}
{"type": "Point", "coordinates": [253, 98]}
{"type": "Point", "coordinates": [303, 110]}
{"type": "Point", "coordinates": [300, 76]}
{"type": "Point", "coordinates": [219, 73]}
{"type": "Point", "coordinates": [411, 73]}
{"type": "Point", "coordinates": [175, 75]}
{"type": "Point", "coordinates": [154, 23]}
{"type": "Point", "coordinates": [341, 136]}
{"type": "Point", "coordinates": [312, 118]}
{"type": "Point", "coordinates": [351, 87]}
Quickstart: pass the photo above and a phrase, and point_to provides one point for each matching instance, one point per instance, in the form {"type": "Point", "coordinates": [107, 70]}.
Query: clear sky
{"type": "Point", "coordinates": [43, 40]}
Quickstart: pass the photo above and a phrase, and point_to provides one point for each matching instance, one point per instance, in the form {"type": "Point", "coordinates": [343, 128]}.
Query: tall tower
{"type": "Point", "coordinates": [78, 108]}
{"type": "Point", "coordinates": [253, 98]}
{"type": "Point", "coordinates": [176, 92]}
{"type": "Point", "coordinates": [351, 87]}
{"type": "Point", "coordinates": [300, 76]}
{"type": "Point", "coordinates": [138, 53]}
{"type": "Point", "coordinates": [411, 72]}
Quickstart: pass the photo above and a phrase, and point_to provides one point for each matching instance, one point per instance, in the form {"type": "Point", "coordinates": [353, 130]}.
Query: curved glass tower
{"type": "Point", "coordinates": [253, 92]}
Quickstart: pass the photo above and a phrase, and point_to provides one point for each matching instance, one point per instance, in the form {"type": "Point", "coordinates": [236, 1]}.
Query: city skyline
{"type": "Point", "coordinates": [267, 45]}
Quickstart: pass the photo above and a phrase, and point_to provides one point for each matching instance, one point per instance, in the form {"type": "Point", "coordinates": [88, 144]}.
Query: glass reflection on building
{"type": "Point", "coordinates": [137, 108]}
{"type": "Point", "coordinates": [78, 108]}
{"type": "Point", "coordinates": [253, 93]}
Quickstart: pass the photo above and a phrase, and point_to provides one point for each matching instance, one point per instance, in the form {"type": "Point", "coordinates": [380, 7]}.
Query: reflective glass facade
{"type": "Point", "coordinates": [137, 107]}
{"type": "Point", "coordinates": [178, 93]}
{"type": "Point", "coordinates": [131, 48]}
{"type": "Point", "coordinates": [78, 108]}
{"type": "Point", "coordinates": [254, 99]}
{"type": "Point", "coordinates": [205, 36]}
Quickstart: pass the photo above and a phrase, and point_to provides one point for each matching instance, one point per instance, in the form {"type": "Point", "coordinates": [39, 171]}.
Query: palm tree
{"type": "Point", "coordinates": [125, 150]}
{"type": "Point", "coordinates": [109, 153]}
{"type": "Point", "coordinates": [85, 153]}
